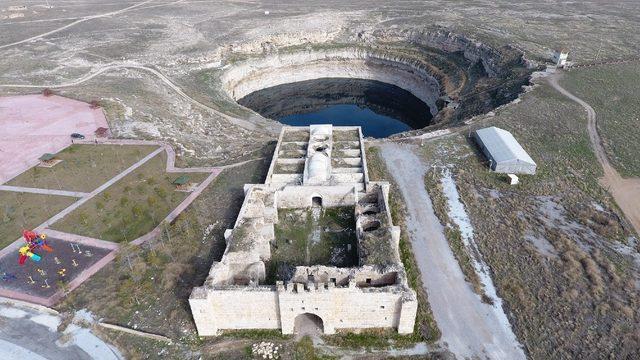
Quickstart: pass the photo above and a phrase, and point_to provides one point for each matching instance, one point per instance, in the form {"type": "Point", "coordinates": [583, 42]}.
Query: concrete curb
{"type": "Point", "coordinates": [135, 332]}
{"type": "Point", "coordinates": [30, 305]}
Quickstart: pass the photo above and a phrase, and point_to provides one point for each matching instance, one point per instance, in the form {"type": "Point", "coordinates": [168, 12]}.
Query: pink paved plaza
{"type": "Point", "coordinates": [35, 124]}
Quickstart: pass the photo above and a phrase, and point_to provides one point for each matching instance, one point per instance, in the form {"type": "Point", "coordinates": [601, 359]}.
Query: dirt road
{"type": "Point", "coordinates": [626, 192]}
{"type": "Point", "coordinates": [470, 328]}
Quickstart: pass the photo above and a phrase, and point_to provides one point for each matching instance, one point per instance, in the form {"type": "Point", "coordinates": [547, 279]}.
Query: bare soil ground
{"type": "Point", "coordinates": [189, 43]}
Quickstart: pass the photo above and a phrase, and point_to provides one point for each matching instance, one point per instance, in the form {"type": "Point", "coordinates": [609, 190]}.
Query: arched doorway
{"type": "Point", "coordinates": [316, 201]}
{"type": "Point", "coordinates": [308, 324]}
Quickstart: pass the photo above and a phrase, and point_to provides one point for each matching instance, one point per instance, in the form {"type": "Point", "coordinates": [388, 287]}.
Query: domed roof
{"type": "Point", "coordinates": [318, 167]}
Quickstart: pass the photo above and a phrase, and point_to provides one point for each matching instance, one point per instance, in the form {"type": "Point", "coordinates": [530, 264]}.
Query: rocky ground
{"type": "Point", "coordinates": [189, 41]}
{"type": "Point", "coordinates": [558, 247]}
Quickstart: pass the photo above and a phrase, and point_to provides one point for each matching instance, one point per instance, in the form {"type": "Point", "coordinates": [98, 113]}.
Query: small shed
{"type": "Point", "coordinates": [47, 159]}
{"type": "Point", "coordinates": [503, 151]}
{"type": "Point", "coordinates": [560, 57]}
{"type": "Point", "coordinates": [181, 182]}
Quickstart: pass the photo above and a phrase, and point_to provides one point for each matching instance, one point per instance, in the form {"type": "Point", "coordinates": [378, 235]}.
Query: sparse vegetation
{"type": "Point", "coordinates": [84, 167]}
{"type": "Point", "coordinates": [569, 299]}
{"type": "Point", "coordinates": [20, 211]}
{"type": "Point", "coordinates": [452, 233]}
{"type": "Point", "coordinates": [153, 281]}
{"type": "Point", "coordinates": [296, 244]}
{"type": "Point", "coordinates": [371, 339]}
{"type": "Point", "coordinates": [612, 92]}
{"type": "Point", "coordinates": [126, 213]}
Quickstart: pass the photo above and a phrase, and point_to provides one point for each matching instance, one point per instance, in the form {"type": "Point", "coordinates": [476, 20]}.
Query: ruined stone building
{"type": "Point", "coordinates": [315, 241]}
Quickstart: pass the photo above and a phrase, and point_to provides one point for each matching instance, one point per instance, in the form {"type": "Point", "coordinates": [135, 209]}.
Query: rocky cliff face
{"type": "Point", "coordinates": [349, 62]}
{"type": "Point", "coordinates": [496, 62]}
{"type": "Point", "coordinates": [438, 67]}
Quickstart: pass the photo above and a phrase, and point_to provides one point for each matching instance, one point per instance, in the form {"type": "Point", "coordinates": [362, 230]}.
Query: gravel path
{"type": "Point", "coordinates": [626, 192]}
{"type": "Point", "coordinates": [470, 328]}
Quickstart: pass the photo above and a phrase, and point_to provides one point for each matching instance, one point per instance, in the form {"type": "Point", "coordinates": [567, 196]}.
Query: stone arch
{"type": "Point", "coordinates": [308, 324]}
{"type": "Point", "coordinates": [316, 200]}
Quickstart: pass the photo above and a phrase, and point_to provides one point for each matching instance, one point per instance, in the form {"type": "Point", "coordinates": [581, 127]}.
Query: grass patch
{"type": "Point", "coordinates": [452, 233]}
{"type": "Point", "coordinates": [282, 168]}
{"type": "Point", "coordinates": [84, 167]}
{"type": "Point", "coordinates": [20, 211]}
{"type": "Point", "coordinates": [300, 240]}
{"type": "Point", "coordinates": [256, 334]}
{"type": "Point", "coordinates": [346, 135]}
{"type": "Point", "coordinates": [612, 92]}
{"type": "Point", "coordinates": [371, 339]}
{"type": "Point", "coordinates": [131, 207]}
{"type": "Point", "coordinates": [295, 136]}
{"type": "Point", "coordinates": [304, 350]}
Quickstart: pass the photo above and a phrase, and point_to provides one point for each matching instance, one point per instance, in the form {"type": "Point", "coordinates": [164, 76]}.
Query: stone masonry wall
{"type": "Point", "coordinates": [346, 308]}
{"type": "Point", "coordinates": [300, 196]}
{"type": "Point", "coordinates": [339, 308]}
{"type": "Point", "coordinates": [242, 308]}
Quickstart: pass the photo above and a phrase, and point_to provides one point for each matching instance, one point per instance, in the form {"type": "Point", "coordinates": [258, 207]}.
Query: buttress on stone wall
{"type": "Point", "coordinates": [317, 165]}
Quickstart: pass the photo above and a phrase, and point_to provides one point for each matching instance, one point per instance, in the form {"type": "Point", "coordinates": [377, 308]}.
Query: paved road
{"type": "Point", "coordinates": [43, 191]}
{"type": "Point", "coordinates": [626, 192]}
{"type": "Point", "coordinates": [29, 333]}
{"type": "Point", "coordinates": [470, 328]}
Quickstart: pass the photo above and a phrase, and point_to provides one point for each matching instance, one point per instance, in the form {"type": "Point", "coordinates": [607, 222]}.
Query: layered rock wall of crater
{"type": "Point", "coordinates": [277, 69]}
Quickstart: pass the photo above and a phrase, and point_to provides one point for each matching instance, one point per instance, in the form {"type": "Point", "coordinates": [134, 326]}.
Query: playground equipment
{"type": "Point", "coordinates": [34, 241]}
{"type": "Point", "coordinates": [25, 252]}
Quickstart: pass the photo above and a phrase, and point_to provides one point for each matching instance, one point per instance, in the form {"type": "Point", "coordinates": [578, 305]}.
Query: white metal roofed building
{"type": "Point", "coordinates": [504, 152]}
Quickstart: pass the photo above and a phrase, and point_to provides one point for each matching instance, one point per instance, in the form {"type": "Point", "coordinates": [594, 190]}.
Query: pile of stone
{"type": "Point", "coordinates": [265, 350]}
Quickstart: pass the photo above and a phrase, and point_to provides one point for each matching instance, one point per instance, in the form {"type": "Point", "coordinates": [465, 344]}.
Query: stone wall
{"type": "Point", "coordinates": [373, 295]}
{"type": "Point", "coordinates": [267, 308]}
{"type": "Point", "coordinates": [234, 308]}
{"type": "Point", "coordinates": [294, 197]}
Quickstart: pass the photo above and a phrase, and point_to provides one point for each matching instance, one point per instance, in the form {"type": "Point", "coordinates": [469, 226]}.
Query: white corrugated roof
{"type": "Point", "coordinates": [502, 145]}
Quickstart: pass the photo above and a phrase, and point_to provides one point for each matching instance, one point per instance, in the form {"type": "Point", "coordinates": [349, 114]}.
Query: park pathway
{"type": "Point", "coordinates": [470, 328]}
{"type": "Point", "coordinates": [100, 189]}
{"type": "Point", "coordinates": [23, 189]}
{"type": "Point", "coordinates": [626, 192]}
